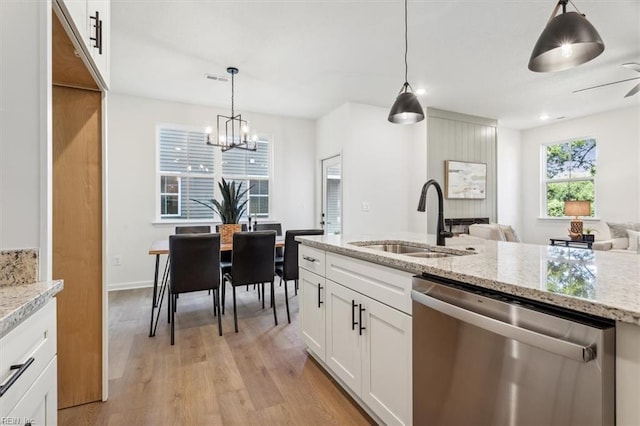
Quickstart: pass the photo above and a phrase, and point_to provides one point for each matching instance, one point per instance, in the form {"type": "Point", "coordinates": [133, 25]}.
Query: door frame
{"type": "Point", "coordinates": [321, 191]}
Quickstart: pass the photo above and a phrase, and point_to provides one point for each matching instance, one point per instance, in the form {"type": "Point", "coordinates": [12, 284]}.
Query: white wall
{"type": "Point", "coordinates": [509, 177]}
{"type": "Point", "coordinates": [617, 188]}
{"type": "Point", "coordinates": [383, 164]}
{"type": "Point", "coordinates": [132, 177]}
{"type": "Point", "coordinates": [25, 55]}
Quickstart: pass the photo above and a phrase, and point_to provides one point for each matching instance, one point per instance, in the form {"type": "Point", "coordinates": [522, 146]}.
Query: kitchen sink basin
{"type": "Point", "coordinates": [425, 252]}
{"type": "Point", "coordinates": [396, 248]}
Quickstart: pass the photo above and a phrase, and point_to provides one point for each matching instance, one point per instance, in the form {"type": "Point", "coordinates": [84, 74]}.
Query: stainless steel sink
{"type": "Point", "coordinates": [426, 252]}
{"type": "Point", "coordinates": [396, 248]}
{"type": "Point", "coordinates": [431, 254]}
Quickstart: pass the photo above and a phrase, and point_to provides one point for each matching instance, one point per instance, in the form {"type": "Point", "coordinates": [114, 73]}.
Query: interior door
{"type": "Point", "coordinates": [331, 220]}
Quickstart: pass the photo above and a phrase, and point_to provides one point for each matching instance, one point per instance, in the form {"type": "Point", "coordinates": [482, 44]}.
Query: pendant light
{"type": "Point", "coordinates": [567, 41]}
{"type": "Point", "coordinates": [406, 109]}
{"type": "Point", "coordinates": [236, 130]}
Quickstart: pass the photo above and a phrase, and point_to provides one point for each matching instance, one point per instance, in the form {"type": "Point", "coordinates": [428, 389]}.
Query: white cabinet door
{"type": "Point", "coordinates": [386, 363]}
{"type": "Point", "coordinates": [312, 311]}
{"type": "Point", "coordinates": [76, 11]}
{"type": "Point", "coordinates": [39, 406]}
{"type": "Point", "coordinates": [343, 338]}
{"type": "Point", "coordinates": [98, 16]}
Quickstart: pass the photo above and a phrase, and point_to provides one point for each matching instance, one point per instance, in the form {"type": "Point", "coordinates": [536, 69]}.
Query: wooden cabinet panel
{"type": "Point", "coordinates": [77, 242]}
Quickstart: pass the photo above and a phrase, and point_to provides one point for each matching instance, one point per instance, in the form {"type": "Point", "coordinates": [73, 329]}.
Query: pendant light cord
{"type": "Point", "coordinates": [232, 93]}
{"type": "Point", "coordinates": [406, 44]}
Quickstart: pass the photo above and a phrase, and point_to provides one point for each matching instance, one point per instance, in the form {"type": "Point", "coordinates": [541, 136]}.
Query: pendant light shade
{"type": "Point", "coordinates": [406, 109]}
{"type": "Point", "coordinates": [567, 41]}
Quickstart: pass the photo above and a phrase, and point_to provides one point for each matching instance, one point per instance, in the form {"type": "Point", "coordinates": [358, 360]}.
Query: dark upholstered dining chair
{"type": "Point", "coordinates": [225, 256]}
{"type": "Point", "coordinates": [204, 229]}
{"type": "Point", "coordinates": [272, 227]}
{"type": "Point", "coordinates": [252, 263]}
{"type": "Point", "coordinates": [195, 266]}
{"type": "Point", "coordinates": [289, 269]}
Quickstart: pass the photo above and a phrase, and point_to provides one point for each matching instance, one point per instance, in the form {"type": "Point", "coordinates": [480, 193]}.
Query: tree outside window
{"type": "Point", "coordinates": [570, 170]}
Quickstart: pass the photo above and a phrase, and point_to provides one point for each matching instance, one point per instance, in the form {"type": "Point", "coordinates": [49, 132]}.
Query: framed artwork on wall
{"type": "Point", "coordinates": [464, 180]}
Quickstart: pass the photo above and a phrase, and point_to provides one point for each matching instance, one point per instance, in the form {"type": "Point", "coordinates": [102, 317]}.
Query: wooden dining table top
{"type": "Point", "coordinates": [162, 246]}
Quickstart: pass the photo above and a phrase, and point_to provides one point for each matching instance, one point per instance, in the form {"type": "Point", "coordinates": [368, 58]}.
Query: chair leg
{"type": "Point", "coordinates": [169, 306]}
{"type": "Point", "coordinates": [235, 313]}
{"type": "Point", "coordinates": [275, 316]}
{"type": "Point", "coordinates": [262, 295]}
{"type": "Point", "coordinates": [215, 307]}
{"type": "Point", "coordinates": [286, 300]}
{"type": "Point", "coordinates": [224, 299]}
{"type": "Point", "coordinates": [173, 320]}
{"type": "Point", "coordinates": [295, 287]}
{"type": "Point", "coordinates": [216, 303]}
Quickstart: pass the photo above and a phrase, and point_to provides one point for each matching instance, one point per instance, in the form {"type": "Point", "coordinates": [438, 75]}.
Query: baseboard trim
{"type": "Point", "coordinates": [130, 285]}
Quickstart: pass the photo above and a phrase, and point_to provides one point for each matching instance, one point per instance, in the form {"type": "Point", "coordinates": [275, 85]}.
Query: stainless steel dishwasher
{"type": "Point", "coordinates": [484, 358]}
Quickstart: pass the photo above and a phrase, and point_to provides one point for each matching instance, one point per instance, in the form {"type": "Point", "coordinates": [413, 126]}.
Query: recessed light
{"type": "Point", "coordinates": [544, 117]}
{"type": "Point", "coordinates": [421, 92]}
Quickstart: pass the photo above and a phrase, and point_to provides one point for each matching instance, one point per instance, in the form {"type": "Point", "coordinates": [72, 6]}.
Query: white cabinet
{"type": "Point", "coordinates": [89, 22]}
{"type": "Point", "coordinates": [361, 329]}
{"type": "Point", "coordinates": [312, 311]}
{"type": "Point", "coordinates": [28, 369]}
{"type": "Point", "coordinates": [369, 349]}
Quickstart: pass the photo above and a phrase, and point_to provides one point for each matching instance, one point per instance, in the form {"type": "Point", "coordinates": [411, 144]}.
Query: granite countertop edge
{"type": "Point", "coordinates": [591, 307]}
{"type": "Point", "coordinates": [18, 302]}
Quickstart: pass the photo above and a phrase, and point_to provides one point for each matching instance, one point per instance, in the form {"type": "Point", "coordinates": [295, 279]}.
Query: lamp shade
{"type": "Point", "coordinates": [567, 41]}
{"type": "Point", "coordinates": [406, 109]}
{"type": "Point", "coordinates": [577, 208]}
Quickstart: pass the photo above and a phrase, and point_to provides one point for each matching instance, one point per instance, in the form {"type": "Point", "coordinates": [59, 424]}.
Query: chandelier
{"type": "Point", "coordinates": [232, 131]}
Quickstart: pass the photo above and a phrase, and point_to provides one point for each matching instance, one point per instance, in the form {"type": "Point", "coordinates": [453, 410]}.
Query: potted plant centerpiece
{"type": "Point", "coordinates": [230, 208]}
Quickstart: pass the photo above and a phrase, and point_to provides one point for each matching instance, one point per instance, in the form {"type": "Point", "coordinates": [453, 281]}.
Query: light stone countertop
{"type": "Point", "coordinates": [18, 302]}
{"type": "Point", "coordinates": [593, 282]}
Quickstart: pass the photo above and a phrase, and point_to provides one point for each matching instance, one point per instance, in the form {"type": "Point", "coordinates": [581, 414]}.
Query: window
{"type": "Point", "coordinates": [190, 170]}
{"type": "Point", "coordinates": [569, 170]}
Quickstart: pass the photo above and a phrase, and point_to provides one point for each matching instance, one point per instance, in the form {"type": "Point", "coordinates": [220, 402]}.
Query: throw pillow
{"type": "Point", "coordinates": [509, 233]}
{"type": "Point", "coordinates": [619, 243]}
{"type": "Point", "coordinates": [619, 230]}
{"type": "Point", "coordinates": [633, 240]}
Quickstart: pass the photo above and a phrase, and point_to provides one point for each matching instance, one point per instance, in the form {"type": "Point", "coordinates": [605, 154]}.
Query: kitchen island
{"type": "Point", "coordinates": [606, 285]}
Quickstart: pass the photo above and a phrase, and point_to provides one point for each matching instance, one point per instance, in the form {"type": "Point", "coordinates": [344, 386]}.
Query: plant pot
{"type": "Point", "coordinates": [227, 230]}
{"type": "Point", "coordinates": [588, 237]}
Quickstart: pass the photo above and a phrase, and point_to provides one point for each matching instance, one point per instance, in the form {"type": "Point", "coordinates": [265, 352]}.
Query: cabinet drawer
{"type": "Point", "coordinates": [387, 285]}
{"type": "Point", "coordinates": [311, 259]}
{"type": "Point", "coordinates": [34, 339]}
{"type": "Point", "coordinates": [39, 406]}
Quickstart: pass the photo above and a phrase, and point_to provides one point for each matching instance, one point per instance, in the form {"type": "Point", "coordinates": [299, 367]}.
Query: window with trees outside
{"type": "Point", "coordinates": [569, 171]}
{"type": "Point", "coordinates": [189, 169]}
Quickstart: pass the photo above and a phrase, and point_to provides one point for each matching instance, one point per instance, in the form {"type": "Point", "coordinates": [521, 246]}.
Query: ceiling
{"type": "Point", "coordinates": [304, 58]}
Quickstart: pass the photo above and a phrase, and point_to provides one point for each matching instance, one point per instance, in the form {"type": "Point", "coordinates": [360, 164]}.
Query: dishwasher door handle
{"type": "Point", "coordinates": [551, 344]}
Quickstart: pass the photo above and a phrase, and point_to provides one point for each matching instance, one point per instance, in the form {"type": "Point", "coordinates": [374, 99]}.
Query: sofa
{"type": "Point", "coordinates": [494, 231]}
{"type": "Point", "coordinates": [624, 238]}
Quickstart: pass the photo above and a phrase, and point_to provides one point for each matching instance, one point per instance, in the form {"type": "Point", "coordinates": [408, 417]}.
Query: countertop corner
{"type": "Point", "coordinates": [18, 302]}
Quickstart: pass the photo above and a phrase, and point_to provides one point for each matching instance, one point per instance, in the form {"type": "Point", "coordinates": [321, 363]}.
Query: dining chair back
{"type": "Point", "coordinates": [289, 269]}
{"type": "Point", "coordinates": [272, 227]}
{"type": "Point", "coordinates": [195, 266]}
{"type": "Point", "coordinates": [252, 263]}
{"type": "Point", "coordinates": [204, 229]}
{"type": "Point", "coordinates": [225, 256]}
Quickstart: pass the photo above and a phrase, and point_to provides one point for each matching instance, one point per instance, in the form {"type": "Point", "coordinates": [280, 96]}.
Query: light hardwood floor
{"type": "Point", "coordinates": [261, 375]}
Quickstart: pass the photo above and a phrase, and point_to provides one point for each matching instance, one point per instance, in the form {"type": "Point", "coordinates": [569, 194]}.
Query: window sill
{"type": "Point", "coordinates": [569, 218]}
{"type": "Point", "coordinates": [171, 222]}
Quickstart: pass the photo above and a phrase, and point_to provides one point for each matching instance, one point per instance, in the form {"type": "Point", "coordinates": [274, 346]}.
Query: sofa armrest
{"type": "Point", "coordinates": [602, 245]}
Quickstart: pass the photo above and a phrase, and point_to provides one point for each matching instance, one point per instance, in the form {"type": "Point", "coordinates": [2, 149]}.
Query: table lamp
{"type": "Point", "coordinates": [577, 208]}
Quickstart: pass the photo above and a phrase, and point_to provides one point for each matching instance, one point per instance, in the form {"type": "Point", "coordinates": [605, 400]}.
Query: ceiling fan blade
{"type": "Point", "coordinates": [632, 65]}
{"type": "Point", "coordinates": [633, 91]}
{"type": "Point", "coordinates": [605, 84]}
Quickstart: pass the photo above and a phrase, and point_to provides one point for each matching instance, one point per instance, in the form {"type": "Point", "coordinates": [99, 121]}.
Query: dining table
{"type": "Point", "coordinates": [161, 247]}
